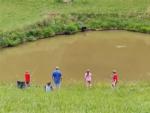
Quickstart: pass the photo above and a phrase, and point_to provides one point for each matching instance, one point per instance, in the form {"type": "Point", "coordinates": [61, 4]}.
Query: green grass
{"type": "Point", "coordinates": [19, 13]}
{"type": "Point", "coordinates": [29, 20]}
{"type": "Point", "coordinates": [101, 98]}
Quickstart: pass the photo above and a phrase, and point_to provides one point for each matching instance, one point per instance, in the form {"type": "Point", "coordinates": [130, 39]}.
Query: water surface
{"type": "Point", "coordinates": [101, 51]}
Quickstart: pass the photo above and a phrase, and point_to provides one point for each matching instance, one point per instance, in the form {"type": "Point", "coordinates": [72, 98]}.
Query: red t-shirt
{"type": "Point", "coordinates": [115, 77]}
{"type": "Point", "coordinates": [27, 76]}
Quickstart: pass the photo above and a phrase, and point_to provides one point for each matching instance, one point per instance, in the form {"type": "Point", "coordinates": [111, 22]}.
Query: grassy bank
{"type": "Point", "coordinates": [48, 18]}
{"type": "Point", "coordinates": [101, 98]}
{"type": "Point", "coordinates": [16, 13]}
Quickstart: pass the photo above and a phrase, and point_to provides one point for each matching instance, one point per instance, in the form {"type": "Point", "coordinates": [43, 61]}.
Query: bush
{"type": "Point", "coordinates": [30, 38]}
{"type": "Point", "coordinates": [35, 32]}
{"type": "Point", "coordinates": [144, 29]}
{"type": "Point", "coordinates": [47, 32]}
{"type": "Point", "coordinates": [57, 26]}
{"type": "Point", "coordinates": [95, 24]}
{"type": "Point", "coordinates": [4, 42]}
{"type": "Point", "coordinates": [71, 28]}
{"type": "Point", "coordinates": [9, 42]}
{"type": "Point", "coordinates": [12, 39]}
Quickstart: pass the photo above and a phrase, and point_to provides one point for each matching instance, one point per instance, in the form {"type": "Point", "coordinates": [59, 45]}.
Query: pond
{"type": "Point", "coordinates": [99, 51]}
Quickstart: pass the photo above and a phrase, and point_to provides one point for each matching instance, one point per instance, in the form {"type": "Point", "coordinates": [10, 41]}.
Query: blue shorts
{"type": "Point", "coordinates": [57, 82]}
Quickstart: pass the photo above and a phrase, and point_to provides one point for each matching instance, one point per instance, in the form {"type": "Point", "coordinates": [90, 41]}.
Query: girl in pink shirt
{"type": "Point", "coordinates": [88, 78]}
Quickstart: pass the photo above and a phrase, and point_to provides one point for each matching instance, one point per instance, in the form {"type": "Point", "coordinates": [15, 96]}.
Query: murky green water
{"type": "Point", "coordinates": [103, 51]}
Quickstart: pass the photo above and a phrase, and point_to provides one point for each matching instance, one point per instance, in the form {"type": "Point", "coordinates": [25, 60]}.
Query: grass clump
{"type": "Point", "coordinates": [71, 28]}
{"type": "Point", "coordinates": [47, 32]}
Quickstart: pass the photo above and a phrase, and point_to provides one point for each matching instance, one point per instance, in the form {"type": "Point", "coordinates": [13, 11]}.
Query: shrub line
{"type": "Point", "coordinates": [62, 24]}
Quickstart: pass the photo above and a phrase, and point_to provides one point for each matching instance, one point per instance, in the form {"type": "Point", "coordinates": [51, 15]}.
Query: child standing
{"type": "Point", "coordinates": [48, 87]}
{"type": "Point", "coordinates": [88, 78]}
{"type": "Point", "coordinates": [27, 78]}
{"type": "Point", "coordinates": [114, 78]}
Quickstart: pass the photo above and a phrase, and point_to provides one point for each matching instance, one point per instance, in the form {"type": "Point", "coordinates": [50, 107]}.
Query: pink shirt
{"type": "Point", "coordinates": [88, 76]}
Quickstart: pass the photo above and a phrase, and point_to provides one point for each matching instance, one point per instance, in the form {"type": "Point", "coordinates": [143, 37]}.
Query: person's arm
{"type": "Point", "coordinates": [52, 76]}
{"type": "Point", "coordinates": [85, 76]}
{"type": "Point", "coordinates": [61, 76]}
{"type": "Point", "coordinates": [117, 79]}
{"type": "Point", "coordinates": [91, 76]}
{"type": "Point", "coordinates": [29, 77]}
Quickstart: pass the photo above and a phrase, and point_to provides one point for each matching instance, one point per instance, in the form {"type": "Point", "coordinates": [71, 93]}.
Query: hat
{"type": "Point", "coordinates": [57, 67]}
{"type": "Point", "coordinates": [27, 72]}
{"type": "Point", "coordinates": [114, 71]}
{"type": "Point", "coordinates": [88, 70]}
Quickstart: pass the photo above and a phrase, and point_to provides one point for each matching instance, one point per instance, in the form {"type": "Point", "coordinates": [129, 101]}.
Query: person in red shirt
{"type": "Point", "coordinates": [27, 78]}
{"type": "Point", "coordinates": [114, 78]}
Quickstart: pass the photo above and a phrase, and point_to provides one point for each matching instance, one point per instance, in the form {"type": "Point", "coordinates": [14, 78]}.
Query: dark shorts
{"type": "Point", "coordinates": [89, 82]}
{"type": "Point", "coordinates": [27, 82]}
{"type": "Point", "coordinates": [57, 82]}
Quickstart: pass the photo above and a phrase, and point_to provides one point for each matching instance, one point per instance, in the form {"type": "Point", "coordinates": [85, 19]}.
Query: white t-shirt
{"type": "Point", "coordinates": [48, 88]}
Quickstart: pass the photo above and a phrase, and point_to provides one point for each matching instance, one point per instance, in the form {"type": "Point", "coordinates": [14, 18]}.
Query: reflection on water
{"type": "Point", "coordinates": [103, 51]}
